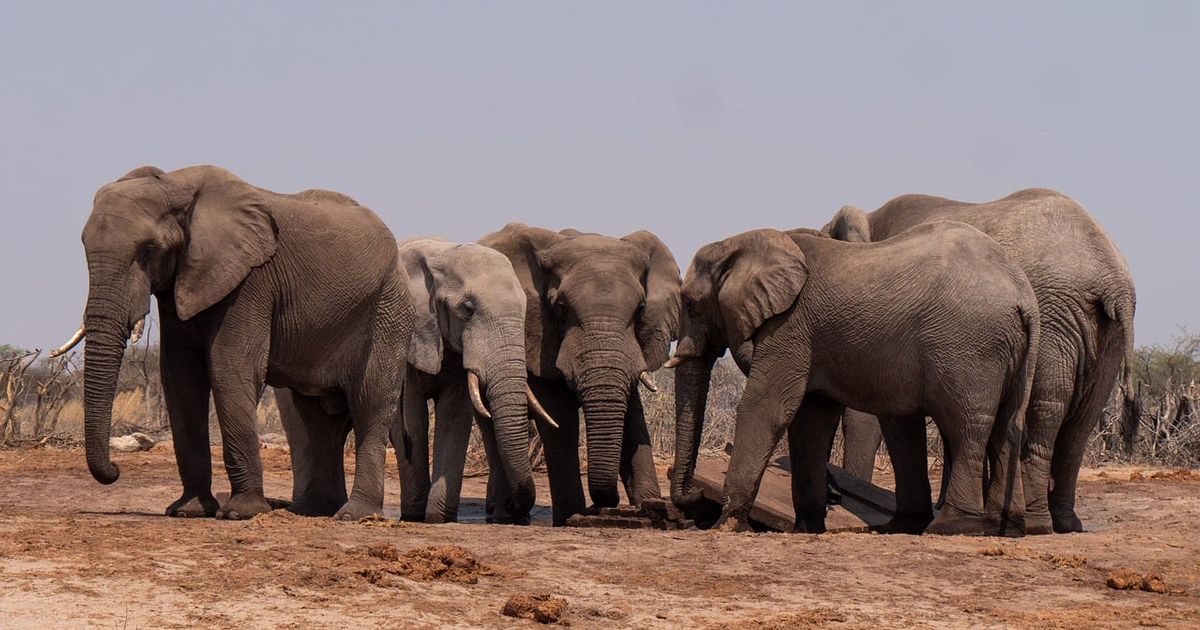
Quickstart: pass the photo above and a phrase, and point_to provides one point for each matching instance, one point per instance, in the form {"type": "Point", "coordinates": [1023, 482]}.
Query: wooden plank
{"type": "Point", "coordinates": [863, 491]}
{"type": "Point", "coordinates": [773, 505]}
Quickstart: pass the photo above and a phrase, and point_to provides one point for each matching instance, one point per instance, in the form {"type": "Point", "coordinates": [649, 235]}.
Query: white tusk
{"type": "Point", "coordinates": [537, 407]}
{"type": "Point", "coordinates": [476, 398]}
{"type": "Point", "coordinates": [137, 331]}
{"type": "Point", "coordinates": [648, 381]}
{"type": "Point", "coordinates": [673, 362]}
{"type": "Point", "coordinates": [74, 341]}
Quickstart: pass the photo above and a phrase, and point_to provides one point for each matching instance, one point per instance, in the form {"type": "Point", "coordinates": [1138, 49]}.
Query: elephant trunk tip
{"type": "Point", "coordinates": [105, 472]}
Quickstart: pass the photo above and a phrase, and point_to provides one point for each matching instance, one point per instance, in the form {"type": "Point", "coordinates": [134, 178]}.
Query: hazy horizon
{"type": "Point", "coordinates": [693, 121]}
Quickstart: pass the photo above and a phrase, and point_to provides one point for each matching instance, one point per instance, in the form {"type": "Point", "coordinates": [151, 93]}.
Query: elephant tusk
{"type": "Point", "coordinates": [673, 362]}
{"type": "Point", "coordinates": [476, 398]}
{"type": "Point", "coordinates": [537, 407]}
{"type": "Point", "coordinates": [74, 341]}
{"type": "Point", "coordinates": [137, 331]}
{"type": "Point", "coordinates": [648, 381]}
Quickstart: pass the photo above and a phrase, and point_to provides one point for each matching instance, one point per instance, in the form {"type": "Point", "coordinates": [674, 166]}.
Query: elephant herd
{"type": "Point", "coordinates": [1007, 322]}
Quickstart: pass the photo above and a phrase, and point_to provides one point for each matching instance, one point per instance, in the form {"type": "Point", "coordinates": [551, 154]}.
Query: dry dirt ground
{"type": "Point", "coordinates": [76, 554]}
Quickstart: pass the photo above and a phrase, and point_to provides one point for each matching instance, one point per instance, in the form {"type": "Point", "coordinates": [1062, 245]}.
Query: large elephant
{"type": "Point", "coordinates": [934, 322]}
{"type": "Point", "coordinates": [1086, 298]}
{"type": "Point", "coordinates": [253, 287]}
{"type": "Point", "coordinates": [600, 315]}
{"type": "Point", "coordinates": [468, 356]}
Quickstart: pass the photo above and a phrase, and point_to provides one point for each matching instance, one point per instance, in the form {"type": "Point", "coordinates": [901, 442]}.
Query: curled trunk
{"type": "Point", "coordinates": [691, 400]}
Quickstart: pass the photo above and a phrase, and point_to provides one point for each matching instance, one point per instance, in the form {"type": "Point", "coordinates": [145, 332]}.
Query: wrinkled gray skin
{"type": "Point", "coordinates": [599, 312]}
{"type": "Point", "coordinates": [1086, 298]}
{"type": "Point", "coordinates": [933, 322]}
{"type": "Point", "coordinates": [470, 317]}
{"type": "Point", "coordinates": [253, 287]}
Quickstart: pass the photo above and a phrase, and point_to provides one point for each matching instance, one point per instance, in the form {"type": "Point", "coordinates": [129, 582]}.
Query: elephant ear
{"type": "Point", "coordinates": [543, 336]}
{"type": "Point", "coordinates": [761, 276]}
{"type": "Point", "coordinates": [659, 324]}
{"type": "Point", "coordinates": [425, 350]}
{"type": "Point", "coordinates": [229, 232]}
{"type": "Point", "coordinates": [849, 224]}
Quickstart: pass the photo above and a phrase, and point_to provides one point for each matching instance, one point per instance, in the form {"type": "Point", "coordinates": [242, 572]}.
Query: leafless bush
{"type": "Point", "coordinates": [724, 393]}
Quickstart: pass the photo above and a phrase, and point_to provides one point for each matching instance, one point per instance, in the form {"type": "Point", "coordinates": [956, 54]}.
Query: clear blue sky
{"type": "Point", "coordinates": [693, 120]}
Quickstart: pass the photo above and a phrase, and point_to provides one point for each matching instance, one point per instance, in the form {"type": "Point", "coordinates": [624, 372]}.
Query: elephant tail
{"type": "Point", "coordinates": [1120, 309]}
{"type": "Point", "coordinates": [1016, 399]}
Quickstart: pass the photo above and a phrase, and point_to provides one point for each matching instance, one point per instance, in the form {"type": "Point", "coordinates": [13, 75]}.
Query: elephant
{"type": "Point", "coordinates": [600, 315]}
{"type": "Point", "coordinates": [253, 287]}
{"type": "Point", "coordinates": [1086, 298]}
{"type": "Point", "coordinates": [935, 322]}
{"type": "Point", "coordinates": [468, 338]}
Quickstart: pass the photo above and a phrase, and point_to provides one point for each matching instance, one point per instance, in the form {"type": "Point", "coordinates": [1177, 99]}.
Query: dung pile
{"type": "Point", "coordinates": [1130, 580]}
{"type": "Point", "coordinates": [446, 563]}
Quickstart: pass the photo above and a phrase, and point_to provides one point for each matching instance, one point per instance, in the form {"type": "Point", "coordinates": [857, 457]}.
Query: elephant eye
{"type": "Point", "coordinates": [466, 308]}
{"type": "Point", "coordinates": [148, 251]}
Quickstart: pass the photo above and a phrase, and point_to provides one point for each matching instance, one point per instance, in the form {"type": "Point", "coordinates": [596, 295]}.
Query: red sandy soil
{"type": "Point", "coordinates": [76, 554]}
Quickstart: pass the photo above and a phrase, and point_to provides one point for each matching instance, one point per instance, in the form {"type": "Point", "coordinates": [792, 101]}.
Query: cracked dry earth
{"type": "Point", "coordinates": [76, 554]}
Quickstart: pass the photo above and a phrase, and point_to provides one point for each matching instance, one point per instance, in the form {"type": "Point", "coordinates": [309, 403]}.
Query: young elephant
{"type": "Point", "coordinates": [253, 287]}
{"type": "Point", "coordinates": [468, 356]}
{"type": "Point", "coordinates": [933, 322]}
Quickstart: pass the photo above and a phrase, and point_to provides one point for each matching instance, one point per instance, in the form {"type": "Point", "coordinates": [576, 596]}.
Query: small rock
{"type": "Point", "coordinates": [132, 443]}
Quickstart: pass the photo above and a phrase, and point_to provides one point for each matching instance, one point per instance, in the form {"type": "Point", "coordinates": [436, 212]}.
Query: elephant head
{"type": "Point", "coordinates": [600, 315]}
{"type": "Point", "coordinates": [190, 237]}
{"type": "Point", "coordinates": [730, 290]}
{"type": "Point", "coordinates": [468, 302]}
{"type": "Point", "coordinates": [849, 224]}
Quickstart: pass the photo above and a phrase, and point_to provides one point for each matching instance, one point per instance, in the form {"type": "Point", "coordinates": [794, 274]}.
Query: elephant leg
{"type": "Point", "coordinates": [410, 438]}
{"type": "Point", "coordinates": [906, 446]}
{"type": "Point", "coordinates": [861, 437]}
{"type": "Point", "coordinates": [1073, 435]}
{"type": "Point", "coordinates": [774, 392]}
{"type": "Point", "coordinates": [372, 416]}
{"type": "Point", "coordinates": [810, 435]}
{"type": "Point", "coordinates": [185, 389]}
{"type": "Point", "coordinates": [637, 455]}
{"type": "Point", "coordinates": [237, 365]}
{"type": "Point", "coordinates": [967, 434]}
{"type": "Point", "coordinates": [451, 436]}
{"type": "Point", "coordinates": [318, 443]}
{"type": "Point", "coordinates": [561, 446]}
{"type": "Point", "coordinates": [1053, 388]}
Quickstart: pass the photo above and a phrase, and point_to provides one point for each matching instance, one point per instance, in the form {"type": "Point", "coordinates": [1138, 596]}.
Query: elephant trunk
{"type": "Point", "coordinates": [106, 322]}
{"type": "Point", "coordinates": [506, 393]}
{"type": "Point", "coordinates": [604, 394]}
{"type": "Point", "coordinates": [691, 400]}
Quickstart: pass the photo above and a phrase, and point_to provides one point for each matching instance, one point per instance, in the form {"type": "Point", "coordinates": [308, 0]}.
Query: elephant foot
{"type": "Point", "coordinates": [509, 520]}
{"type": "Point", "coordinates": [733, 523]}
{"type": "Point", "coordinates": [954, 522]}
{"type": "Point", "coordinates": [309, 506]}
{"type": "Point", "coordinates": [1067, 523]}
{"type": "Point", "coordinates": [435, 518]}
{"type": "Point", "coordinates": [243, 505]}
{"type": "Point", "coordinates": [356, 509]}
{"type": "Point", "coordinates": [914, 524]}
{"type": "Point", "coordinates": [191, 506]}
{"type": "Point", "coordinates": [1038, 524]}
